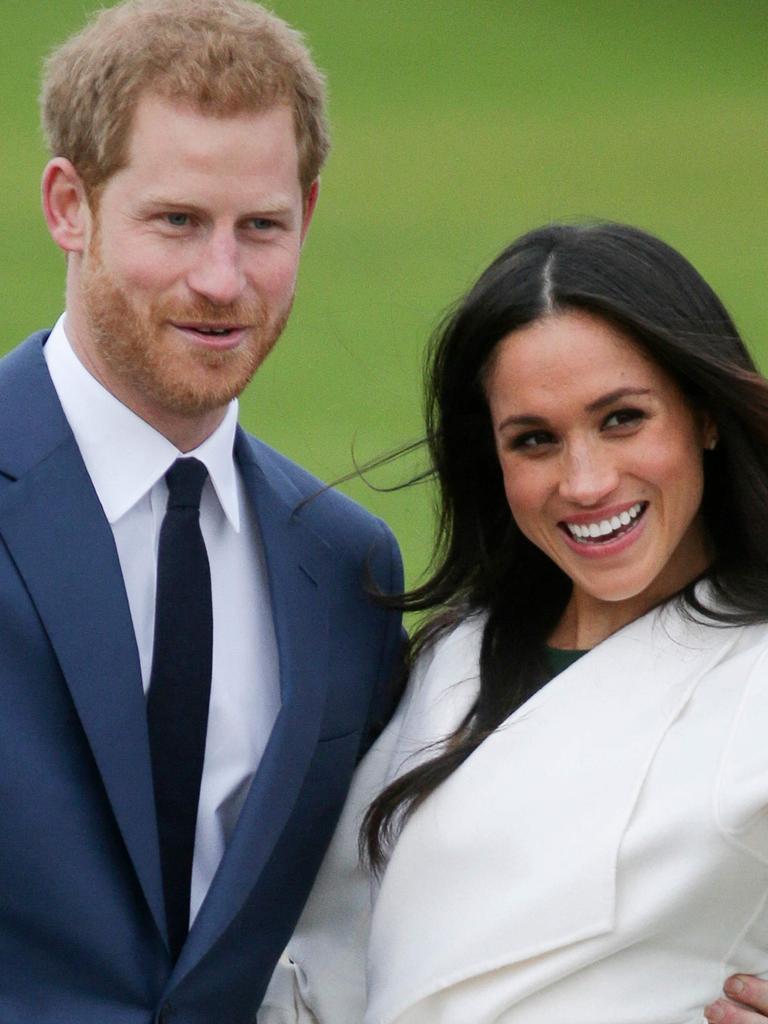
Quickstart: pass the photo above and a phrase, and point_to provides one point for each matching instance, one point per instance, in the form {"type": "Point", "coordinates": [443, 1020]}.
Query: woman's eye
{"type": "Point", "coordinates": [624, 417]}
{"type": "Point", "coordinates": [532, 439]}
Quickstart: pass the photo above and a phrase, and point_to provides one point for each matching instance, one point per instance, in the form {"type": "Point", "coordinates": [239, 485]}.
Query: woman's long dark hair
{"type": "Point", "coordinates": [482, 562]}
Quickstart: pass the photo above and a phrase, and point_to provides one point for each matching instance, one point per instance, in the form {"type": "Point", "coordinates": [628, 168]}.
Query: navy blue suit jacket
{"type": "Point", "coordinates": [82, 930]}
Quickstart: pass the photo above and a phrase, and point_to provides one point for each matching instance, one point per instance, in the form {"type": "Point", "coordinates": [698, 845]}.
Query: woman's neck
{"type": "Point", "coordinates": [588, 620]}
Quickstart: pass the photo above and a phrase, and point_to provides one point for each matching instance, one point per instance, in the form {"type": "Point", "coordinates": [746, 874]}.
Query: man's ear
{"type": "Point", "coordinates": [65, 205]}
{"type": "Point", "coordinates": [309, 207]}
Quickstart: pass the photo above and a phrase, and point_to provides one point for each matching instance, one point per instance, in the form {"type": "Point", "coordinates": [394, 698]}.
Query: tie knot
{"type": "Point", "coordinates": [185, 481]}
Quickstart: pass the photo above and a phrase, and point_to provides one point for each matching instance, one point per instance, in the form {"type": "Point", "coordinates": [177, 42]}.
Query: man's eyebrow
{"type": "Point", "coordinates": [530, 420]}
{"type": "Point", "coordinates": [274, 205]}
{"type": "Point", "coordinates": [160, 202]}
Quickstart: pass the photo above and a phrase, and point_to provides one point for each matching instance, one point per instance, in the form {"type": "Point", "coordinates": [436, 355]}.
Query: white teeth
{"type": "Point", "coordinates": [582, 531]}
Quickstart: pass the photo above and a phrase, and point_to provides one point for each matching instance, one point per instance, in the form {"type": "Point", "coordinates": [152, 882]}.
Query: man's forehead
{"type": "Point", "coordinates": [169, 138]}
{"type": "Point", "coordinates": [153, 107]}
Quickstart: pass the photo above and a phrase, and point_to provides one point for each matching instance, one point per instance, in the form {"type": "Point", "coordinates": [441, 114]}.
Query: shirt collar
{"type": "Point", "coordinates": [124, 455]}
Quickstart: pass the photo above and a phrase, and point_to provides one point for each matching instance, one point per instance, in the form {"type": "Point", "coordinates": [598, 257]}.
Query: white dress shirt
{"type": "Point", "coordinates": [127, 460]}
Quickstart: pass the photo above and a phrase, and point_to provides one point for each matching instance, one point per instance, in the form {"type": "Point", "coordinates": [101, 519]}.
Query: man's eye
{"type": "Point", "coordinates": [262, 223]}
{"type": "Point", "coordinates": [624, 417]}
{"type": "Point", "coordinates": [177, 220]}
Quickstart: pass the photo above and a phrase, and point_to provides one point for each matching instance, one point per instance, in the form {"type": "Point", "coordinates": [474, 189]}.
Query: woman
{"type": "Point", "coordinates": [569, 808]}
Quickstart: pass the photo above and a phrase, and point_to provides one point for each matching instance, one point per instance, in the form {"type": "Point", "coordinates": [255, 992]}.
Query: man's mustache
{"type": "Point", "coordinates": [237, 314]}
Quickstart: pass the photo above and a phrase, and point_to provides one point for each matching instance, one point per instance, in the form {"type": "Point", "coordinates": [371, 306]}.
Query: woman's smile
{"type": "Point", "coordinates": [605, 533]}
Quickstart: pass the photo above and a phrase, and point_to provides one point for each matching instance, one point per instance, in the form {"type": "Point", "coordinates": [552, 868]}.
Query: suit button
{"type": "Point", "coordinates": [165, 1014]}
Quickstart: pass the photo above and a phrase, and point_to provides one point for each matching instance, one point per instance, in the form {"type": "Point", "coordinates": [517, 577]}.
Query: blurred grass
{"type": "Point", "coordinates": [458, 124]}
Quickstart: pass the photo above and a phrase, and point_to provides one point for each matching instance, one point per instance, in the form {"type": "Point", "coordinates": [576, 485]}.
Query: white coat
{"type": "Point", "coordinates": [601, 859]}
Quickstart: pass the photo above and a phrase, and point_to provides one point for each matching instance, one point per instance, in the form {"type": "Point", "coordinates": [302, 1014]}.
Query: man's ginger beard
{"type": "Point", "coordinates": [137, 349]}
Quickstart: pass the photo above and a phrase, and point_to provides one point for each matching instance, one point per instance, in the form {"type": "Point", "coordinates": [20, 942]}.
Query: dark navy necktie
{"type": "Point", "coordinates": [180, 686]}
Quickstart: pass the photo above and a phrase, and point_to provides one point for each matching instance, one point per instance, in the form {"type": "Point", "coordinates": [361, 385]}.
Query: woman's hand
{"type": "Point", "coordinates": [747, 1002]}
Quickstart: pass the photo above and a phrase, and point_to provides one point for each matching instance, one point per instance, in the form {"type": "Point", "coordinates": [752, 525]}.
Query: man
{"type": "Point", "coordinates": [184, 614]}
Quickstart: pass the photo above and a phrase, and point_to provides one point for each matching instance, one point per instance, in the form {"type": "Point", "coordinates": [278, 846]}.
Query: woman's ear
{"type": "Point", "coordinates": [65, 205]}
{"type": "Point", "coordinates": [708, 431]}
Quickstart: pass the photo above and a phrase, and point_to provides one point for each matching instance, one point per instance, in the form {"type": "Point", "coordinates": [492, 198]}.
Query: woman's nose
{"type": "Point", "coordinates": [588, 476]}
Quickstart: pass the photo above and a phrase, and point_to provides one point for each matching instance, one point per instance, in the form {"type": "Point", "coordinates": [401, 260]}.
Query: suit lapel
{"type": "Point", "coordinates": [59, 539]}
{"type": "Point", "coordinates": [298, 563]}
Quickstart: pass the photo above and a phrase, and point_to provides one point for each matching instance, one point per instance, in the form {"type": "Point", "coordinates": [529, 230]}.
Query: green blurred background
{"type": "Point", "coordinates": [458, 124]}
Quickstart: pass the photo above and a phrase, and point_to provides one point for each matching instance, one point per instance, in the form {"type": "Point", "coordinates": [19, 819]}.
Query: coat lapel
{"type": "Point", "coordinates": [298, 564]}
{"type": "Point", "coordinates": [58, 537]}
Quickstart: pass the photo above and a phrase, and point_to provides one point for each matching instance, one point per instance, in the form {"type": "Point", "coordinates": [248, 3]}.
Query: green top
{"type": "Point", "coordinates": [561, 659]}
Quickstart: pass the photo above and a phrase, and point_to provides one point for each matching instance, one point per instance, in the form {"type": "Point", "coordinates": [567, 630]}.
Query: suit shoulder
{"type": "Point", "coordinates": [24, 358]}
{"type": "Point", "coordinates": [340, 520]}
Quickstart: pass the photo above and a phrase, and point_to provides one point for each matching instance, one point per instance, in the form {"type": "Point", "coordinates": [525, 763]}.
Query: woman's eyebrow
{"type": "Point", "coordinates": [530, 420]}
{"type": "Point", "coordinates": [615, 396]}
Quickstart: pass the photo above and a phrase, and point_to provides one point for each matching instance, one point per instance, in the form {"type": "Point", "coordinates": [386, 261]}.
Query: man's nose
{"type": "Point", "coordinates": [217, 273]}
{"type": "Point", "coordinates": [589, 474]}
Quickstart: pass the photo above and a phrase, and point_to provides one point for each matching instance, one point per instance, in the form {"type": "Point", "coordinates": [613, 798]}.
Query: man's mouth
{"type": "Point", "coordinates": [212, 335]}
{"type": "Point", "coordinates": [211, 330]}
{"type": "Point", "coordinates": [601, 531]}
